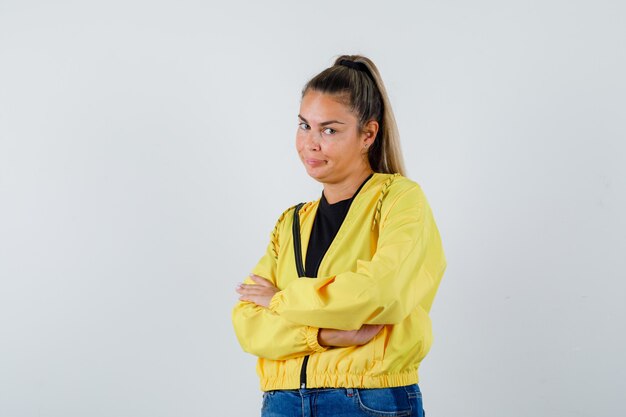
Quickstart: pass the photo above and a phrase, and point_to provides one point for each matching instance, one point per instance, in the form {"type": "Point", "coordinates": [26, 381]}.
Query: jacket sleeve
{"type": "Point", "coordinates": [264, 333]}
{"type": "Point", "coordinates": [403, 274]}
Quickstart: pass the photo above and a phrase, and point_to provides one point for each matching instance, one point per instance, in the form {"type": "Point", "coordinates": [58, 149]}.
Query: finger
{"type": "Point", "coordinates": [262, 301]}
{"type": "Point", "coordinates": [249, 290]}
{"type": "Point", "coordinates": [370, 330]}
{"type": "Point", "coordinates": [374, 330]}
{"type": "Point", "coordinates": [378, 326]}
{"type": "Point", "coordinates": [257, 287]}
{"type": "Point", "coordinates": [246, 290]}
{"type": "Point", "coordinates": [255, 290]}
{"type": "Point", "coordinates": [249, 297]}
{"type": "Point", "coordinates": [365, 334]}
{"type": "Point", "coordinates": [261, 281]}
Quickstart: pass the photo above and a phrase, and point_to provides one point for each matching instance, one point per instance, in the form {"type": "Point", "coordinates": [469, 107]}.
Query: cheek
{"type": "Point", "coordinates": [333, 147]}
{"type": "Point", "coordinates": [299, 142]}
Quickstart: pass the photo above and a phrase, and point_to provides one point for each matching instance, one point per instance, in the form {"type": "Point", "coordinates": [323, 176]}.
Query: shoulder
{"type": "Point", "coordinates": [395, 188]}
{"type": "Point", "coordinates": [405, 195]}
{"type": "Point", "coordinates": [393, 193]}
{"type": "Point", "coordinates": [286, 217]}
{"type": "Point", "coordinates": [404, 184]}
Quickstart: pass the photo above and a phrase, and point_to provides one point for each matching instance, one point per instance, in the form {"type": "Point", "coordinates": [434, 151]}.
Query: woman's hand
{"type": "Point", "coordinates": [344, 338]}
{"type": "Point", "coordinates": [259, 293]}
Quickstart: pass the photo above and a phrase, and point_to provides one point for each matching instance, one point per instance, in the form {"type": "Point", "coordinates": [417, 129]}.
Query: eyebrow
{"type": "Point", "coordinates": [323, 123]}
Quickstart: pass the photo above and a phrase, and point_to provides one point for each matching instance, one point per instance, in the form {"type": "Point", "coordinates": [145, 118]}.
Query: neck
{"type": "Point", "coordinates": [345, 189]}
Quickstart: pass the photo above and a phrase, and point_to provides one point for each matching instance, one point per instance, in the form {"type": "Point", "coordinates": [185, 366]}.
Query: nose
{"type": "Point", "coordinates": [312, 141]}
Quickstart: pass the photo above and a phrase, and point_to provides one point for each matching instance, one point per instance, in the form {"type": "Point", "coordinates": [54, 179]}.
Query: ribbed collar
{"type": "Point", "coordinates": [343, 204]}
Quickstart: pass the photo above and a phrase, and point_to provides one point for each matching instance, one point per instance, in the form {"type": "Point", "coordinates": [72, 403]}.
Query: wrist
{"type": "Point", "coordinates": [312, 339]}
{"type": "Point", "coordinates": [321, 338]}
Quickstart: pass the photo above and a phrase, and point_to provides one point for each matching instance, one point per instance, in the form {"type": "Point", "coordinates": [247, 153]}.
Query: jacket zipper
{"type": "Point", "coordinates": [297, 248]}
{"type": "Point", "coordinates": [303, 372]}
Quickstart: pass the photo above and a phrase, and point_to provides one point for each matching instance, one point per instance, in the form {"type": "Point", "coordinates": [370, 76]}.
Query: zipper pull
{"type": "Point", "coordinates": [303, 385]}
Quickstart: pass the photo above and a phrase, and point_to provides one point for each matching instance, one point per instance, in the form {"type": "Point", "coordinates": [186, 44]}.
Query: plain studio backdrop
{"type": "Point", "coordinates": [147, 149]}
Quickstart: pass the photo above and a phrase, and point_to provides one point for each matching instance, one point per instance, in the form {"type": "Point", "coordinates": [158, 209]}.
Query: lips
{"type": "Point", "coordinates": [314, 162]}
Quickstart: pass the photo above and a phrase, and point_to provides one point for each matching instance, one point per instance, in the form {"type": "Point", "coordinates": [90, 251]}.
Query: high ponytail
{"type": "Point", "coordinates": [356, 80]}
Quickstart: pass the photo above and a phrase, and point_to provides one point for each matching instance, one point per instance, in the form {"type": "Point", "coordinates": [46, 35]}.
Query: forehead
{"type": "Point", "coordinates": [319, 107]}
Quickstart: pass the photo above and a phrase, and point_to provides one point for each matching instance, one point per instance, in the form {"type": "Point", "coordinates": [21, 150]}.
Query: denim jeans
{"type": "Point", "coordinates": [344, 402]}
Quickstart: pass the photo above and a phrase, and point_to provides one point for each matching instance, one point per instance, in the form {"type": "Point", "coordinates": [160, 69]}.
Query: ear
{"type": "Point", "coordinates": [369, 133]}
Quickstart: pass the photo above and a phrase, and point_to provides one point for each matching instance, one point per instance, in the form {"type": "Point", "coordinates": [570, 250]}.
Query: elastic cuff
{"type": "Point", "coordinates": [274, 301]}
{"type": "Point", "coordinates": [311, 339]}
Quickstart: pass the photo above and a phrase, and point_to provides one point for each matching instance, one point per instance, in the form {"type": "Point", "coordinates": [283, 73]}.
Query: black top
{"type": "Point", "coordinates": [328, 220]}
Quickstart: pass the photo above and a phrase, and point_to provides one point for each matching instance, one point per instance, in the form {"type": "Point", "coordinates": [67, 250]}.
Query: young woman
{"type": "Point", "coordinates": [337, 308]}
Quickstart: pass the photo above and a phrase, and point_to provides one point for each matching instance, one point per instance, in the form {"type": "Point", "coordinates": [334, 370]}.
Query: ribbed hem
{"type": "Point", "coordinates": [328, 380]}
{"type": "Point", "coordinates": [311, 339]}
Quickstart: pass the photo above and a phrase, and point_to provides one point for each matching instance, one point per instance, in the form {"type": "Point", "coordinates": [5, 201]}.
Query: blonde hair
{"type": "Point", "coordinates": [357, 79]}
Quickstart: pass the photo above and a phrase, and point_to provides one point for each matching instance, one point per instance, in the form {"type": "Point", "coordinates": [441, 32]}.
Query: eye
{"type": "Point", "coordinates": [303, 126]}
{"type": "Point", "coordinates": [329, 131]}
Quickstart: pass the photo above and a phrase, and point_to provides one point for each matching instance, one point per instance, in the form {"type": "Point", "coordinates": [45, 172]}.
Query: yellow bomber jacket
{"type": "Point", "coordinates": [383, 267]}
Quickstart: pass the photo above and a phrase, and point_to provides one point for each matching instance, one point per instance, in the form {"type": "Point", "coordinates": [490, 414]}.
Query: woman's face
{"type": "Point", "coordinates": [329, 142]}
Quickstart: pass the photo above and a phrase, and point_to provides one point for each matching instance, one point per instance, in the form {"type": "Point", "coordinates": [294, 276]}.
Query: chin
{"type": "Point", "coordinates": [316, 175]}
{"type": "Point", "coordinates": [319, 178]}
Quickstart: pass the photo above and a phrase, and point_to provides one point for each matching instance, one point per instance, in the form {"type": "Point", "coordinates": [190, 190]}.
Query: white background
{"type": "Point", "coordinates": [147, 148]}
